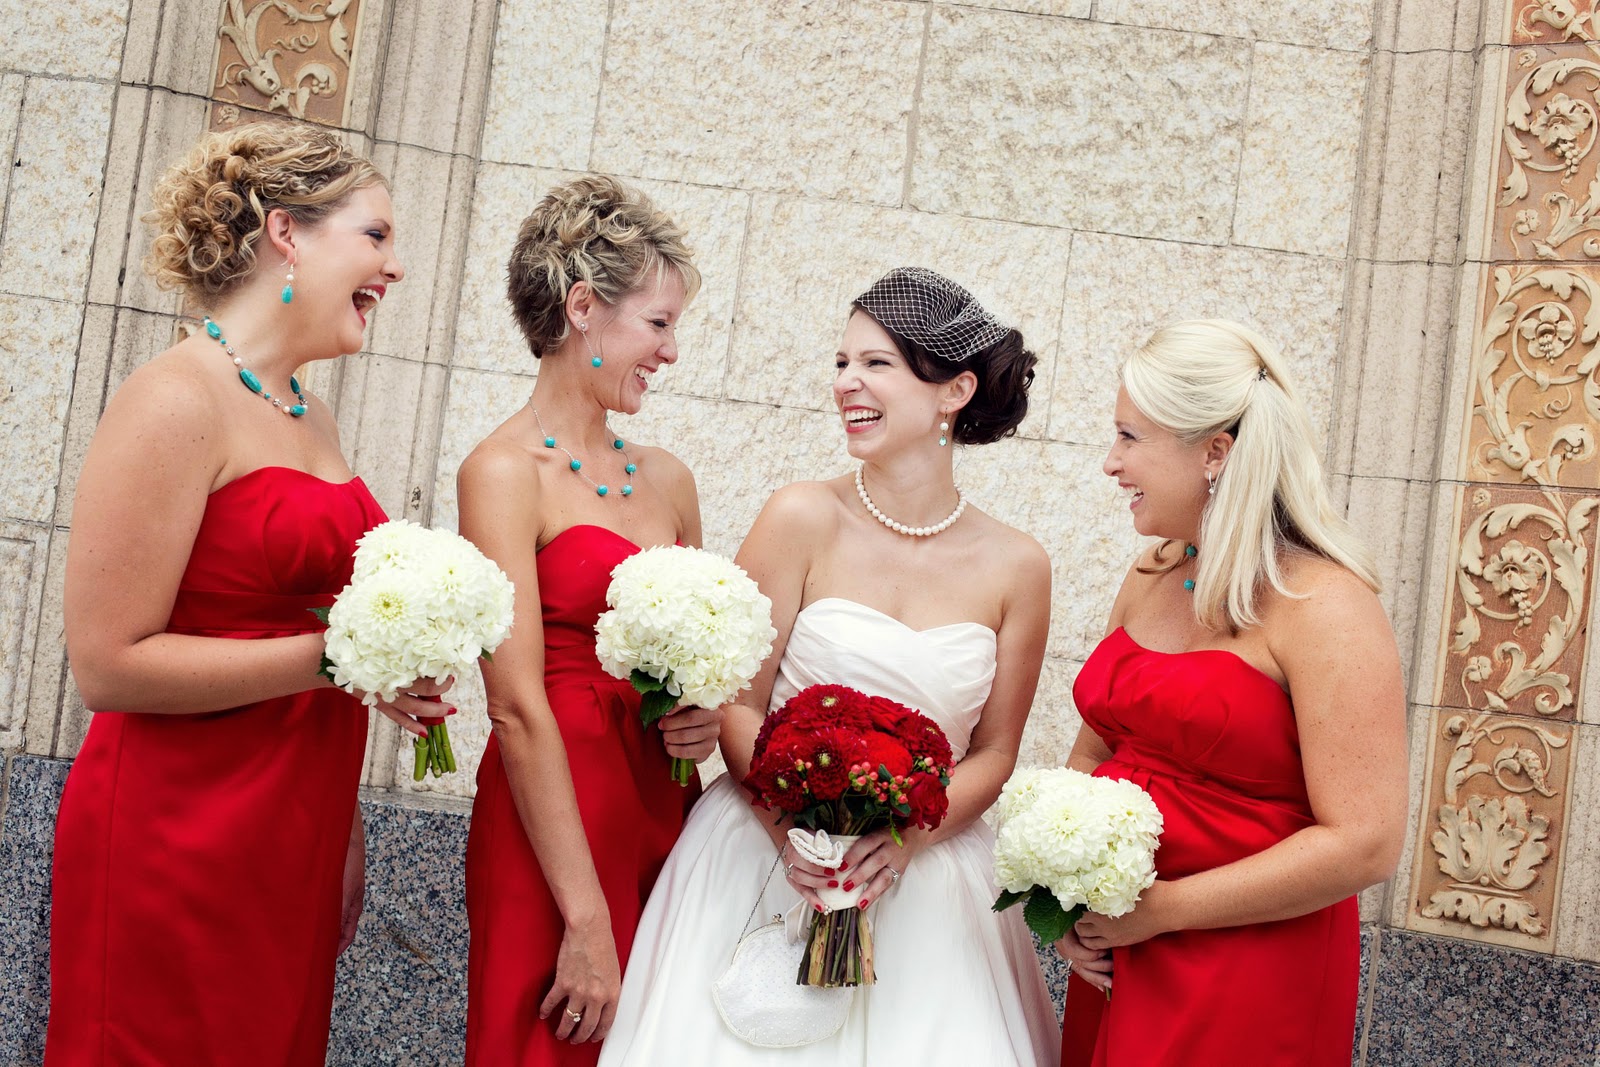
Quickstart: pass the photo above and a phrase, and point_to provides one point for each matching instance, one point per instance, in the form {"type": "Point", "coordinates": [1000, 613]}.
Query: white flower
{"type": "Point", "coordinates": [687, 617]}
{"type": "Point", "coordinates": [421, 603]}
{"type": "Point", "coordinates": [1090, 841]}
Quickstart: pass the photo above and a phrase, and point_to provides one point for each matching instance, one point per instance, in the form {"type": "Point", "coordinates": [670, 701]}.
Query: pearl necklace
{"type": "Point", "coordinates": [902, 528]}
{"type": "Point", "coordinates": [576, 464]}
{"type": "Point", "coordinates": [249, 379]}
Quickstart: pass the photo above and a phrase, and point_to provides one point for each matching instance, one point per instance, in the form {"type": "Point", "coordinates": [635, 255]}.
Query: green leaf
{"type": "Point", "coordinates": [1008, 898]}
{"type": "Point", "coordinates": [325, 668]}
{"type": "Point", "coordinates": [486, 656]}
{"type": "Point", "coordinates": [655, 705]}
{"type": "Point", "coordinates": [894, 832]}
{"type": "Point", "coordinates": [321, 614]}
{"type": "Point", "coordinates": [1046, 917]}
{"type": "Point", "coordinates": [645, 683]}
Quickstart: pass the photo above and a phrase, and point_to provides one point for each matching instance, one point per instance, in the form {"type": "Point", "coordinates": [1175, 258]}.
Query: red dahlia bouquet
{"type": "Point", "coordinates": [841, 764]}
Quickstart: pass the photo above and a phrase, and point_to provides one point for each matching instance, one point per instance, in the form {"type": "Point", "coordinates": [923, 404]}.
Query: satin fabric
{"type": "Point", "coordinates": [630, 808]}
{"type": "Point", "coordinates": [957, 984]}
{"type": "Point", "coordinates": [1214, 742]}
{"type": "Point", "coordinates": [199, 858]}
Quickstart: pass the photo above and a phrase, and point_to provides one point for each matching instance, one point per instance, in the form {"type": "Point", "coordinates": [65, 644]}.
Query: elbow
{"type": "Point", "coordinates": [97, 686]}
{"type": "Point", "coordinates": [1378, 858]}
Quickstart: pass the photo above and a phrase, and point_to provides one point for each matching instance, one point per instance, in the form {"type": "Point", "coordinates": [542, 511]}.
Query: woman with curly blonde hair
{"type": "Point", "coordinates": [576, 807]}
{"type": "Point", "coordinates": [208, 855]}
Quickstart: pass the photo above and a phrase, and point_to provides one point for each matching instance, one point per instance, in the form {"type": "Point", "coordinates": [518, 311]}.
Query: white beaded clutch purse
{"type": "Point", "coordinates": [758, 996]}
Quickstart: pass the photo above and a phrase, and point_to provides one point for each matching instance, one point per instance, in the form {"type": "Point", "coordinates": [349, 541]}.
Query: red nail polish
{"type": "Point", "coordinates": [833, 883]}
{"type": "Point", "coordinates": [818, 907]}
{"type": "Point", "coordinates": [830, 872]}
{"type": "Point", "coordinates": [452, 711]}
{"type": "Point", "coordinates": [849, 886]}
{"type": "Point", "coordinates": [842, 866]}
{"type": "Point", "coordinates": [864, 903]}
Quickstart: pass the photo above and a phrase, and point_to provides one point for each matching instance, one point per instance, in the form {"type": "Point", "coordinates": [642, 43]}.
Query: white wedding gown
{"type": "Point", "coordinates": [957, 984]}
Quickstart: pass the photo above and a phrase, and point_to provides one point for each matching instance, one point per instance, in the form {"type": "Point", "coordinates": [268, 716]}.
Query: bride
{"type": "Point", "coordinates": [885, 580]}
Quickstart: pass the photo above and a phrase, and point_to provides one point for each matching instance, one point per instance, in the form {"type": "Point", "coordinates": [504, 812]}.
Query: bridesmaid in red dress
{"type": "Point", "coordinates": [1250, 683]}
{"type": "Point", "coordinates": [208, 854]}
{"type": "Point", "coordinates": [576, 809]}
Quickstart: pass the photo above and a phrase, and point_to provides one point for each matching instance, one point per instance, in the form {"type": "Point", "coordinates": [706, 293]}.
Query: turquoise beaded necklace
{"type": "Point", "coordinates": [576, 464]}
{"type": "Point", "coordinates": [1191, 552]}
{"type": "Point", "coordinates": [247, 376]}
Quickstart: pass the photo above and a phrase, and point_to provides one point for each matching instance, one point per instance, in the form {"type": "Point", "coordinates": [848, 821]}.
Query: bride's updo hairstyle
{"type": "Point", "coordinates": [942, 330]}
{"type": "Point", "coordinates": [593, 229]}
{"type": "Point", "coordinates": [1203, 377]}
{"type": "Point", "coordinates": [211, 207]}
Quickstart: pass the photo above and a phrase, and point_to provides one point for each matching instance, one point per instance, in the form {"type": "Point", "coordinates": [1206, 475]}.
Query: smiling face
{"type": "Point", "coordinates": [344, 266]}
{"type": "Point", "coordinates": [884, 405]}
{"type": "Point", "coordinates": [633, 339]}
{"type": "Point", "coordinates": [1166, 477]}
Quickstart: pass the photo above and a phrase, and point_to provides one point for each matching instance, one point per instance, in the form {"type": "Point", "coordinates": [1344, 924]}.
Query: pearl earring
{"type": "Point", "coordinates": [583, 329]}
{"type": "Point", "coordinates": [1211, 484]}
{"type": "Point", "coordinates": [288, 287]}
{"type": "Point", "coordinates": [944, 434]}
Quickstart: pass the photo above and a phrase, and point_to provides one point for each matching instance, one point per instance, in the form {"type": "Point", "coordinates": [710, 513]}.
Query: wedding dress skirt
{"type": "Point", "coordinates": [957, 984]}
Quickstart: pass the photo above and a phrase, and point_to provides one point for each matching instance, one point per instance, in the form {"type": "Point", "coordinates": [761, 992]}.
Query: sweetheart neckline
{"type": "Point", "coordinates": [903, 625]}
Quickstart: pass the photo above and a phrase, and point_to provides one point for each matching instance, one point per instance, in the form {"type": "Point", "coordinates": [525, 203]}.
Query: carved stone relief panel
{"type": "Point", "coordinates": [1494, 808]}
{"type": "Point", "coordinates": [1536, 368]}
{"type": "Point", "coordinates": [1519, 601]}
{"type": "Point", "coordinates": [284, 57]}
{"type": "Point", "coordinates": [1548, 21]}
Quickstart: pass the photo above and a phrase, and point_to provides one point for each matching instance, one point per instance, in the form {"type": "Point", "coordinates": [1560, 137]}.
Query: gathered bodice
{"type": "Point", "coordinates": [574, 574]}
{"type": "Point", "coordinates": [944, 672]}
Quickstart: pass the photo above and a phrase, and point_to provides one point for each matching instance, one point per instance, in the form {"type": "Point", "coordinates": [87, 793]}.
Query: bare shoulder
{"type": "Point", "coordinates": [810, 509]}
{"type": "Point", "coordinates": [665, 468]}
{"type": "Point", "coordinates": [1024, 557]}
{"type": "Point", "coordinates": [498, 463]}
{"type": "Point", "coordinates": [172, 392]}
{"type": "Point", "coordinates": [1328, 600]}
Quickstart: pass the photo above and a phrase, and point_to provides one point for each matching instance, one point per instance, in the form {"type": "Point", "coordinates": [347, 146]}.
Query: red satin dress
{"type": "Point", "coordinates": [199, 858]}
{"type": "Point", "coordinates": [631, 810]}
{"type": "Point", "coordinates": [1213, 741]}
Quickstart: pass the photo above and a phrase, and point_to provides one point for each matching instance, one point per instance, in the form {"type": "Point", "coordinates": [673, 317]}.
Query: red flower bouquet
{"type": "Point", "coordinates": [843, 763]}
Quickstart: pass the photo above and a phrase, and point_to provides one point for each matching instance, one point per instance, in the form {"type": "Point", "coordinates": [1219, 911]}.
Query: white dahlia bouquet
{"type": "Point", "coordinates": [1070, 843]}
{"type": "Point", "coordinates": [686, 626]}
{"type": "Point", "coordinates": [421, 603]}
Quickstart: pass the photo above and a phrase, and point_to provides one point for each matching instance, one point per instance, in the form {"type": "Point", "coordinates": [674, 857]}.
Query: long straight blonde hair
{"type": "Point", "coordinates": [1208, 376]}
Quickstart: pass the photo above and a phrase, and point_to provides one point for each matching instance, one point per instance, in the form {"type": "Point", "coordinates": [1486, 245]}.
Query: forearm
{"type": "Point", "coordinates": [540, 780]}
{"type": "Point", "coordinates": [740, 724]}
{"type": "Point", "coordinates": [178, 674]}
{"type": "Point", "coordinates": [1305, 872]}
{"type": "Point", "coordinates": [975, 783]}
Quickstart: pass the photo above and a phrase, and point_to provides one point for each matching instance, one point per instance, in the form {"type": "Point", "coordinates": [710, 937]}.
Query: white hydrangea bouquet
{"type": "Point", "coordinates": [421, 603]}
{"type": "Point", "coordinates": [1070, 843]}
{"type": "Point", "coordinates": [686, 626]}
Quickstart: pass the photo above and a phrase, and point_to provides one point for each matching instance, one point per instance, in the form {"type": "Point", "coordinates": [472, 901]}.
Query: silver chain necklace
{"type": "Point", "coordinates": [576, 465]}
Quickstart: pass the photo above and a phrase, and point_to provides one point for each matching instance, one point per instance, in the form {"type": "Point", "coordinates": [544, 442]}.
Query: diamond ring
{"type": "Point", "coordinates": [575, 1016]}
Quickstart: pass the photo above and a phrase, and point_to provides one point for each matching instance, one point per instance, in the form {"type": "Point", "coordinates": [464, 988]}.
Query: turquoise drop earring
{"type": "Point", "coordinates": [944, 434]}
{"type": "Point", "coordinates": [288, 286]}
{"type": "Point", "coordinates": [594, 360]}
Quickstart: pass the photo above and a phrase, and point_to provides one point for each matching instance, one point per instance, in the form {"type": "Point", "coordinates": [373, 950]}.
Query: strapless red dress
{"type": "Point", "coordinates": [199, 858]}
{"type": "Point", "coordinates": [1213, 741]}
{"type": "Point", "coordinates": [631, 809]}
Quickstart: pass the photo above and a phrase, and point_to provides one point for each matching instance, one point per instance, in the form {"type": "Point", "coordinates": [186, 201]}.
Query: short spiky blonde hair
{"type": "Point", "coordinates": [593, 229]}
{"type": "Point", "coordinates": [211, 207]}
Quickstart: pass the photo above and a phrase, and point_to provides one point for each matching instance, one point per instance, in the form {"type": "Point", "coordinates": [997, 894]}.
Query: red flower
{"type": "Point", "coordinates": [829, 754]}
{"type": "Point", "coordinates": [885, 751]}
{"type": "Point", "coordinates": [928, 799]}
{"type": "Point", "coordinates": [885, 713]}
{"type": "Point", "coordinates": [923, 738]}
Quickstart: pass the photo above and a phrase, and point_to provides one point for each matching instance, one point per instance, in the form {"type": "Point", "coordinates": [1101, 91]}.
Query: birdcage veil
{"type": "Point", "coordinates": [924, 306]}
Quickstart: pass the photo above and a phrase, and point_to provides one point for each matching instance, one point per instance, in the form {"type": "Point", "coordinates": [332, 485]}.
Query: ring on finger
{"type": "Point", "coordinates": [575, 1016]}
{"type": "Point", "coordinates": [894, 875]}
{"type": "Point", "coordinates": [788, 870]}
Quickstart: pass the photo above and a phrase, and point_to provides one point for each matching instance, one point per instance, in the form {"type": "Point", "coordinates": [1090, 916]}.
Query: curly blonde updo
{"type": "Point", "coordinates": [592, 229]}
{"type": "Point", "coordinates": [211, 207]}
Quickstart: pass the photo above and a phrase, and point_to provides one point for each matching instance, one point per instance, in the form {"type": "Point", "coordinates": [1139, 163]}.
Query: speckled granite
{"type": "Point", "coordinates": [26, 840]}
{"type": "Point", "coordinates": [402, 987]}
{"type": "Point", "coordinates": [1447, 1003]}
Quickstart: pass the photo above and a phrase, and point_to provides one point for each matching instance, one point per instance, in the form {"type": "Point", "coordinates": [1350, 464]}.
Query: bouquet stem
{"type": "Point", "coordinates": [838, 951]}
{"type": "Point", "coordinates": [682, 770]}
{"type": "Point", "coordinates": [433, 752]}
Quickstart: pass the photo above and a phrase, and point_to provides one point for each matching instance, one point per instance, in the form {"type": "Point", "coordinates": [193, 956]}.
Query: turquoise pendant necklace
{"type": "Point", "coordinates": [1191, 552]}
{"type": "Point", "coordinates": [247, 376]}
{"type": "Point", "coordinates": [576, 465]}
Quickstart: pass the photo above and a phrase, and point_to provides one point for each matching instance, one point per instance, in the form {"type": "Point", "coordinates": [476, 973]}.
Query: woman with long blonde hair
{"type": "Point", "coordinates": [1249, 681]}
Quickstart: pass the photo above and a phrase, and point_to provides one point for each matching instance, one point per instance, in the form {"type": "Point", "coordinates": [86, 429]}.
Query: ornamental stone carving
{"type": "Point", "coordinates": [291, 57]}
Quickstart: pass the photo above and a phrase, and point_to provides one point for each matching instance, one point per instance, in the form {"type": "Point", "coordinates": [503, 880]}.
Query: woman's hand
{"type": "Point", "coordinates": [419, 700]}
{"type": "Point", "coordinates": [877, 863]}
{"type": "Point", "coordinates": [691, 733]}
{"type": "Point", "coordinates": [588, 983]}
{"type": "Point", "coordinates": [805, 877]}
{"type": "Point", "coordinates": [1151, 916]}
{"type": "Point", "coordinates": [355, 884]}
{"type": "Point", "coordinates": [1092, 965]}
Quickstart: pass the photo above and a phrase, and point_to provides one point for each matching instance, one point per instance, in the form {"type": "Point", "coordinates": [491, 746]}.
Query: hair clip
{"type": "Point", "coordinates": [1261, 375]}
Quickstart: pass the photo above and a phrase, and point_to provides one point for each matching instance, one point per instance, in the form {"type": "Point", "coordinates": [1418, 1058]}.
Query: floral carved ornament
{"type": "Point", "coordinates": [1523, 564]}
{"type": "Point", "coordinates": [271, 45]}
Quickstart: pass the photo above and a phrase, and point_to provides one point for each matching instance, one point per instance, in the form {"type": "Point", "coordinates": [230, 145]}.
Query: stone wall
{"type": "Point", "coordinates": [1395, 191]}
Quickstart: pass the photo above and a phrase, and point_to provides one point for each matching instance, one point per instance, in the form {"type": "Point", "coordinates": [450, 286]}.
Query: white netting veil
{"type": "Point", "coordinates": [926, 307]}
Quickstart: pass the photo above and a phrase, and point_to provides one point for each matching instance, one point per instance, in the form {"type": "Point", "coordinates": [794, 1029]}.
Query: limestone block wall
{"type": "Point", "coordinates": [1398, 191]}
